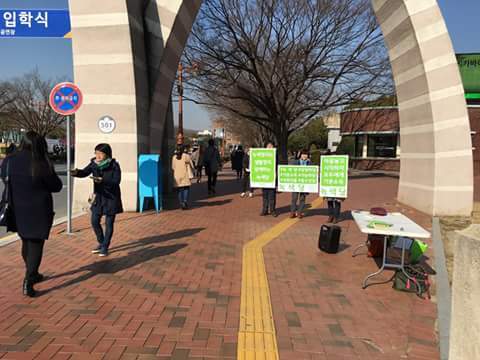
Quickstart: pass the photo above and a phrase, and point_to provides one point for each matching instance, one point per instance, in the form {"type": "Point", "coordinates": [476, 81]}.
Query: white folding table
{"type": "Point", "coordinates": [401, 226]}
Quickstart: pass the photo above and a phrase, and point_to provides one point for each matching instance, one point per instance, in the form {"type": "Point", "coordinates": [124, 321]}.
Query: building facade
{"type": "Point", "coordinates": [332, 122]}
{"type": "Point", "coordinates": [373, 135]}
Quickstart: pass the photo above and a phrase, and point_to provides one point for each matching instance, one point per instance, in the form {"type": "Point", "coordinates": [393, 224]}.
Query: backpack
{"type": "Point", "coordinates": [419, 282]}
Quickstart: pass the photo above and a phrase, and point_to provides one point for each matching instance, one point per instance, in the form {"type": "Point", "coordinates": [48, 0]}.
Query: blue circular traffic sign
{"type": "Point", "coordinates": [66, 98]}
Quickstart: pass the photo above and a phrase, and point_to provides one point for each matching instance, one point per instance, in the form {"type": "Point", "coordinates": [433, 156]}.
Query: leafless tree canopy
{"type": "Point", "coordinates": [249, 133]}
{"type": "Point", "coordinates": [279, 63]}
{"type": "Point", "coordinates": [28, 106]}
{"type": "Point", "coordinates": [5, 98]}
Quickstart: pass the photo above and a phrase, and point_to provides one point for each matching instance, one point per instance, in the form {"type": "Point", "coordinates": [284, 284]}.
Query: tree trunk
{"type": "Point", "coordinates": [282, 149]}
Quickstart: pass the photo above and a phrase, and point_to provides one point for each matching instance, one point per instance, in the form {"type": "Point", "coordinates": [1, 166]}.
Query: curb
{"type": "Point", "coordinates": [9, 239]}
{"type": "Point", "coordinates": [444, 294]}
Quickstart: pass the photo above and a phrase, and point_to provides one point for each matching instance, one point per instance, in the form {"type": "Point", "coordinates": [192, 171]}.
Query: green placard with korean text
{"type": "Point", "coordinates": [263, 163]}
{"type": "Point", "coordinates": [334, 176]}
{"type": "Point", "coordinates": [298, 178]}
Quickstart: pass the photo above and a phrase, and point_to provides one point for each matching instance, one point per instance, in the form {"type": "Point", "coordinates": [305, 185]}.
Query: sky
{"type": "Point", "coordinates": [53, 57]}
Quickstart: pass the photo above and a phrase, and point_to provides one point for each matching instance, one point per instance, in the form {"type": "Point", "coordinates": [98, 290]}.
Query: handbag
{"type": "Point", "coordinates": [92, 198]}
{"type": "Point", "coordinates": [5, 207]}
{"type": "Point", "coordinates": [191, 176]}
{"type": "Point", "coordinates": [418, 281]}
{"type": "Point", "coordinates": [378, 211]}
{"type": "Point", "coordinates": [375, 245]}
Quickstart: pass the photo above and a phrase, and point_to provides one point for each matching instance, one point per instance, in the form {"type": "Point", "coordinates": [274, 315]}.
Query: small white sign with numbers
{"type": "Point", "coordinates": [106, 124]}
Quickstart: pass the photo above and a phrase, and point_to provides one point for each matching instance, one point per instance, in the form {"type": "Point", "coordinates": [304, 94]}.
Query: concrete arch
{"type": "Point", "coordinates": [436, 162]}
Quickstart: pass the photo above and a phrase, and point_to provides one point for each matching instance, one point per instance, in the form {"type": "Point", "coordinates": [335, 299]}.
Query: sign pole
{"type": "Point", "coordinates": [69, 178]}
{"type": "Point", "coordinates": [65, 99]}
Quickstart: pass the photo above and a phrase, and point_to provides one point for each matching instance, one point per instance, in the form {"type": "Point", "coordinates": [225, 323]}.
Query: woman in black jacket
{"type": "Point", "coordinates": [106, 199]}
{"type": "Point", "coordinates": [32, 180]}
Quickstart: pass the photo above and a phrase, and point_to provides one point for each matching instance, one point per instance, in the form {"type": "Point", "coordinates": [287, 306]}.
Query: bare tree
{"type": "Point", "coordinates": [29, 108]}
{"type": "Point", "coordinates": [5, 97]}
{"type": "Point", "coordinates": [280, 63]}
{"type": "Point", "coordinates": [249, 133]}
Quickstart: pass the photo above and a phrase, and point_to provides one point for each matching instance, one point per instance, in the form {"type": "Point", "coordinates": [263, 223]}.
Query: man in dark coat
{"type": "Point", "coordinates": [237, 161]}
{"type": "Point", "coordinates": [246, 188]}
{"type": "Point", "coordinates": [212, 163]}
{"type": "Point", "coordinates": [269, 196]}
{"type": "Point", "coordinates": [298, 199]}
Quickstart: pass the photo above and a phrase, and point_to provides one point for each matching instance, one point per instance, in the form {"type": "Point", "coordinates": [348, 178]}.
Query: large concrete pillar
{"type": "Point", "coordinates": [118, 48]}
{"type": "Point", "coordinates": [465, 323]}
{"type": "Point", "coordinates": [436, 161]}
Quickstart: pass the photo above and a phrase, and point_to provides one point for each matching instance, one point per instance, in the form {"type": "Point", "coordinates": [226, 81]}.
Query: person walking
{"type": "Point", "coordinates": [11, 149]}
{"type": "Point", "coordinates": [195, 157]}
{"type": "Point", "coordinates": [106, 199]}
{"type": "Point", "coordinates": [183, 168]}
{"type": "Point", "coordinates": [31, 181]}
{"type": "Point", "coordinates": [298, 199]}
{"type": "Point", "coordinates": [246, 188]}
{"type": "Point", "coordinates": [199, 166]}
{"type": "Point", "coordinates": [212, 163]}
{"type": "Point", "coordinates": [269, 196]}
{"type": "Point", "coordinates": [237, 161]}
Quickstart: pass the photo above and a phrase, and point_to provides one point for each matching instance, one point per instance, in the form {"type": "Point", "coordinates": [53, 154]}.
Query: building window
{"type": "Point", "coordinates": [359, 141]}
{"type": "Point", "coordinates": [382, 146]}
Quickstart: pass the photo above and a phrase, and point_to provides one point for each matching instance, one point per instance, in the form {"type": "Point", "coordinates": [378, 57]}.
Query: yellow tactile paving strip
{"type": "Point", "coordinates": [256, 336]}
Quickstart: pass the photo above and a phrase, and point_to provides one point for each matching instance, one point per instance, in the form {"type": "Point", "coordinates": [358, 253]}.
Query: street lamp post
{"type": "Point", "coordinates": [193, 69]}
{"type": "Point", "coordinates": [180, 136]}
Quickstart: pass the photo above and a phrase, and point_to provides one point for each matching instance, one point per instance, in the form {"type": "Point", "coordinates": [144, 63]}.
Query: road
{"type": "Point", "coordinates": [60, 199]}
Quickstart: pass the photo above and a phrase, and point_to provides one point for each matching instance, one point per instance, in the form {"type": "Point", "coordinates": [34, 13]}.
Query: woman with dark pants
{"type": "Point", "coordinates": [32, 180]}
{"type": "Point", "coordinates": [246, 188]}
{"type": "Point", "coordinates": [182, 167]}
{"type": "Point", "coordinates": [334, 209]}
{"type": "Point", "coordinates": [106, 199]}
{"type": "Point", "coordinates": [269, 196]}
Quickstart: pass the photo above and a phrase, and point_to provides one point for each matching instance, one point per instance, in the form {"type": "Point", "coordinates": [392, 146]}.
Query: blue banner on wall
{"type": "Point", "coordinates": [34, 23]}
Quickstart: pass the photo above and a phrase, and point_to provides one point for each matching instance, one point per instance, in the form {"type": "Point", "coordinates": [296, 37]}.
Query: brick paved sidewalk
{"type": "Point", "coordinates": [320, 308]}
{"type": "Point", "coordinates": [171, 289]}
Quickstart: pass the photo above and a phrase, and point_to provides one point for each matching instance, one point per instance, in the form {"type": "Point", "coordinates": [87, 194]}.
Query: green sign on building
{"type": "Point", "coordinates": [334, 176]}
{"type": "Point", "coordinates": [293, 178]}
{"type": "Point", "coordinates": [263, 163]}
{"type": "Point", "coordinates": [469, 65]}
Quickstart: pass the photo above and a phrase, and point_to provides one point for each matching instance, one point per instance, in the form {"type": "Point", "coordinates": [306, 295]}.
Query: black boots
{"type": "Point", "coordinates": [38, 278]}
{"type": "Point", "coordinates": [28, 289]}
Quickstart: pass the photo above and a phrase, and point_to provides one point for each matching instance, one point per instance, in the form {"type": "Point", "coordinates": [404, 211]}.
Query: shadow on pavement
{"type": "Point", "coordinates": [124, 217]}
{"type": "Point", "coordinates": [317, 212]}
{"type": "Point", "coordinates": [112, 266]}
{"type": "Point", "coordinates": [343, 247]}
{"type": "Point", "coordinates": [197, 204]}
{"type": "Point", "coordinates": [373, 175]}
{"type": "Point", "coordinates": [199, 192]}
{"type": "Point", "coordinates": [157, 239]}
{"type": "Point", "coordinates": [132, 259]}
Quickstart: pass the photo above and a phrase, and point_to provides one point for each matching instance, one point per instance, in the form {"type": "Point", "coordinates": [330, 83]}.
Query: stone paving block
{"type": "Point", "coordinates": [300, 275]}
{"type": "Point", "coordinates": [170, 288]}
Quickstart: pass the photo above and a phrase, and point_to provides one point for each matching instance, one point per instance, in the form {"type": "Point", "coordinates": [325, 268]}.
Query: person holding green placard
{"type": "Point", "coordinates": [334, 183]}
{"type": "Point", "coordinates": [247, 190]}
{"type": "Point", "coordinates": [298, 199]}
{"type": "Point", "coordinates": [334, 209]}
{"type": "Point", "coordinates": [269, 196]}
